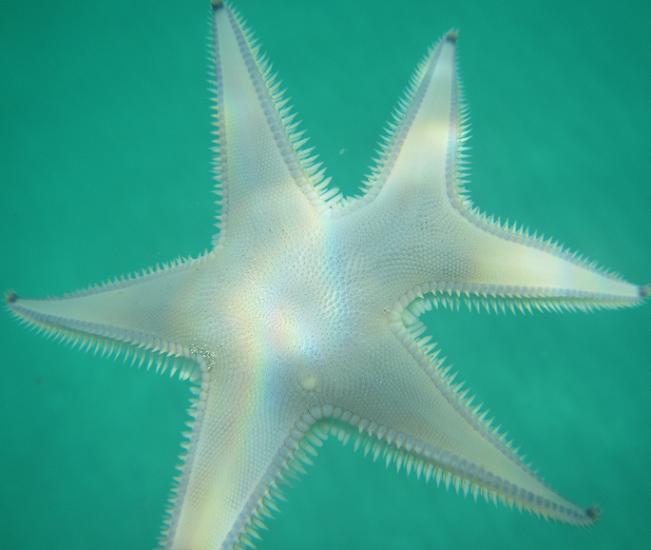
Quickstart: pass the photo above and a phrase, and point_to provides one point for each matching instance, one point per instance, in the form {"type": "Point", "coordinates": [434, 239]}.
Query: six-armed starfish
{"type": "Point", "coordinates": [303, 320]}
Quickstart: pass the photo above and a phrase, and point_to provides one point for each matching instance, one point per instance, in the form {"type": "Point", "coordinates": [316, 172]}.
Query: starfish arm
{"type": "Point", "coordinates": [413, 161]}
{"type": "Point", "coordinates": [266, 180]}
{"type": "Point", "coordinates": [244, 440]}
{"type": "Point", "coordinates": [492, 267]}
{"type": "Point", "coordinates": [496, 267]}
{"type": "Point", "coordinates": [419, 419]}
{"type": "Point", "coordinates": [467, 257]}
{"type": "Point", "coordinates": [151, 314]}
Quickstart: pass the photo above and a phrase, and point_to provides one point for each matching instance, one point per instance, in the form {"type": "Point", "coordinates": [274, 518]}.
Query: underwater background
{"type": "Point", "coordinates": [104, 169]}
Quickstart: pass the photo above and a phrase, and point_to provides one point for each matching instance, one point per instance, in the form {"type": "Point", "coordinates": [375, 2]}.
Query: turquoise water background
{"type": "Point", "coordinates": [104, 169]}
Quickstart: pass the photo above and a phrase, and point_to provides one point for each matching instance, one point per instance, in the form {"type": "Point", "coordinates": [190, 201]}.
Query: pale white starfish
{"type": "Point", "coordinates": [303, 319]}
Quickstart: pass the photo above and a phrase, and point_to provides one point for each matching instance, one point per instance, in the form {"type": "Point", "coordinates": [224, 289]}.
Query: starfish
{"type": "Point", "coordinates": [302, 320]}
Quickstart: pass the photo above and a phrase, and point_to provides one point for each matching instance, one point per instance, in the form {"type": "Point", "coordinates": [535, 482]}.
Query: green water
{"type": "Point", "coordinates": [104, 169]}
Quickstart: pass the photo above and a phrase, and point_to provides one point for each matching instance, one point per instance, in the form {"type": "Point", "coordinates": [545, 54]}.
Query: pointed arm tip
{"type": "Point", "coordinates": [452, 36]}
{"type": "Point", "coordinates": [10, 297]}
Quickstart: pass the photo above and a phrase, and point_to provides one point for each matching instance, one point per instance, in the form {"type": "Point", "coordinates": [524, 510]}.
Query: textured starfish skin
{"type": "Point", "coordinates": [302, 321]}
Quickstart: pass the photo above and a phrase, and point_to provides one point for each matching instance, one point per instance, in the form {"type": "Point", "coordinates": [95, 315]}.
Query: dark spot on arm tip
{"type": "Point", "coordinates": [593, 512]}
{"type": "Point", "coordinates": [452, 37]}
{"type": "Point", "coordinates": [11, 297]}
{"type": "Point", "coordinates": [217, 3]}
{"type": "Point", "coordinates": [643, 291]}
